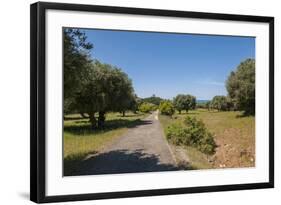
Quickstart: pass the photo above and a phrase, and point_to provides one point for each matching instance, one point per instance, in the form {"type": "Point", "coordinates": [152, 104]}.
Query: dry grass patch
{"type": "Point", "coordinates": [234, 136]}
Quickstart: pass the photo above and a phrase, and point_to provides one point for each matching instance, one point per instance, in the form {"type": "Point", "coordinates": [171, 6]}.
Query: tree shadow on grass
{"type": "Point", "coordinates": [85, 127]}
{"type": "Point", "coordinates": [243, 114]}
{"type": "Point", "coordinates": [116, 162]}
{"type": "Point", "coordinates": [191, 113]}
{"type": "Point", "coordinates": [68, 118]}
{"type": "Point", "coordinates": [130, 115]}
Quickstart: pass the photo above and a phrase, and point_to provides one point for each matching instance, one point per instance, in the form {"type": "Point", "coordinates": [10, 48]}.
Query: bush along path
{"type": "Point", "coordinates": [142, 149]}
{"type": "Point", "coordinates": [190, 140]}
{"type": "Point", "coordinates": [192, 133]}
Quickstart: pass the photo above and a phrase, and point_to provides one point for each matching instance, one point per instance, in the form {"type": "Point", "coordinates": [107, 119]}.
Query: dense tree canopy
{"type": "Point", "coordinates": [221, 103]}
{"type": "Point", "coordinates": [179, 102]}
{"type": "Point", "coordinates": [77, 63]}
{"type": "Point", "coordinates": [107, 89]}
{"type": "Point", "coordinates": [184, 102]}
{"type": "Point", "coordinates": [241, 86]}
{"type": "Point", "coordinates": [90, 86]}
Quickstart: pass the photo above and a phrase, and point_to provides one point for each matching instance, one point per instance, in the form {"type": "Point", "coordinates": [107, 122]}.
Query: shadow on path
{"type": "Point", "coordinates": [113, 162]}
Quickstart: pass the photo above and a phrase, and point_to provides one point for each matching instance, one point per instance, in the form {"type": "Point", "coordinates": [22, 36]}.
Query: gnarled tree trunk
{"type": "Point", "coordinates": [93, 120]}
{"type": "Point", "coordinates": [101, 119]}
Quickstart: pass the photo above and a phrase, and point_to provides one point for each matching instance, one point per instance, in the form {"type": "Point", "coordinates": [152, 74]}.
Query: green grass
{"type": "Point", "coordinates": [81, 140]}
{"type": "Point", "coordinates": [234, 134]}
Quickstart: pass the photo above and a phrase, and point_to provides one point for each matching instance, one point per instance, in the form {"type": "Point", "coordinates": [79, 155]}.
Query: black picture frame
{"type": "Point", "coordinates": [38, 100]}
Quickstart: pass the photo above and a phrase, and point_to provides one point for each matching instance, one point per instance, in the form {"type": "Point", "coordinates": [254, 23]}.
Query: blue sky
{"type": "Point", "coordinates": [168, 64]}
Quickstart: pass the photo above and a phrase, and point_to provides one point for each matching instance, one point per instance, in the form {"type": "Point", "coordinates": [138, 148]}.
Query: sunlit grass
{"type": "Point", "coordinates": [234, 134]}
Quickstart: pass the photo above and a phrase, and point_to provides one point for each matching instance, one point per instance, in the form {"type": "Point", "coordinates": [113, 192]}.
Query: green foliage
{"type": "Point", "coordinates": [153, 99]}
{"type": "Point", "coordinates": [166, 108]}
{"type": "Point", "coordinates": [221, 103]}
{"type": "Point", "coordinates": [107, 88]}
{"type": "Point", "coordinates": [131, 104]}
{"type": "Point", "coordinates": [241, 86]}
{"type": "Point", "coordinates": [77, 62]}
{"type": "Point", "coordinates": [201, 137]}
{"type": "Point", "coordinates": [90, 86]}
{"type": "Point", "coordinates": [146, 107]}
{"type": "Point", "coordinates": [191, 133]}
{"type": "Point", "coordinates": [137, 104]}
{"type": "Point", "coordinates": [177, 134]}
{"type": "Point", "coordinates": [179, 102]}
{"type": "Point", "coordinates": [184, 102]}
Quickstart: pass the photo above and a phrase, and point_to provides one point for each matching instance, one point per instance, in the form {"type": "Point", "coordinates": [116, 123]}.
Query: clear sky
{"type": "Point", "coordinates": [168, 64]}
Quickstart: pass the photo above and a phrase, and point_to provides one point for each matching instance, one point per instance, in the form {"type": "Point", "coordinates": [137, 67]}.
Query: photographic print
{"type": "Point", "coordinates": [150, 101]}
{"type": "Point", "coordinates": [130, 102]}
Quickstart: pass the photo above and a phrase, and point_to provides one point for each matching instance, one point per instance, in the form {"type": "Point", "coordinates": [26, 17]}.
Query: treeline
{"type": "Point", "coordinates": [219, 102]}
{"type": "Point", "coordinates": [92, 88]}
{"type": "Point", "coordinates": [167, 107]}
{"type": "Point", "coordinates": [148, 104]}
{"type": "Point", "coordinates": [240, 86]}
{"type": "Point", "coordinates": [153, 99]}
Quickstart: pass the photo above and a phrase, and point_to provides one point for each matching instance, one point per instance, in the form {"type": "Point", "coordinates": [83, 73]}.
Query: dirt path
{"type": "Point", "coordinates": [141, 149]}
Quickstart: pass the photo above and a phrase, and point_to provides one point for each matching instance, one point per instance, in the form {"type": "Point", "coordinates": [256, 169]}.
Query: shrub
{"type": "Point", "coordinates": [154, 107]}
{"type": "Point", "coordinates": [200, 136]}
{"type": "Point", "coordinates": [176, 134]}
{"type": "Point", "coordinates": [166, 108]}
{"type": "Point", "coordinates": [147, 107]}
{"type": "Point", "coordinates": [192, 133]}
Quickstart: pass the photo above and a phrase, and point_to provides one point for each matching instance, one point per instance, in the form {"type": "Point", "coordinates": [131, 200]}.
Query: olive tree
{"type": "Point", "coordinates": [76, 64]}
{"type": "Point", "coordinates": [179, 102]}
{"type": "Point", "coordinates": [184, 102]}
{"type": "Point", "coordinates": [108, 88]}
{"type": "Point", "coordinates": [241, 86]}
{"type": "Point", "coordinates": [219, 102]}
